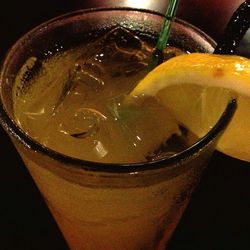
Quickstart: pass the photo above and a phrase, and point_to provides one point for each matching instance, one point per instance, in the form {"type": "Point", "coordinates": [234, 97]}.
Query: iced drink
{"type": "Point", "coordinates": [115, 176]}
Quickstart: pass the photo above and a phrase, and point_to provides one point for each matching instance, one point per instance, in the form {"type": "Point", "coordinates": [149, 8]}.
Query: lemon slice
{"type": "Point", "coordinates": [196, 88]}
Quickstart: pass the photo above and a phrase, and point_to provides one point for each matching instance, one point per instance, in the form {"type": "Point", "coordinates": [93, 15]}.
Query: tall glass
{"type": "Point", "coordinates": [101, 205]}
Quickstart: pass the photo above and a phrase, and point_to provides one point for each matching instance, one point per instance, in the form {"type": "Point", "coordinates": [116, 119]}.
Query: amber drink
{"type": "Point", "coordinates": [116, 174]}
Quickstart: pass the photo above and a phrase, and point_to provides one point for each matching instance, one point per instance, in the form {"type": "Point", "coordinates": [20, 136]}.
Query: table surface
{"type": "Point", "coordinates": [217, 218]}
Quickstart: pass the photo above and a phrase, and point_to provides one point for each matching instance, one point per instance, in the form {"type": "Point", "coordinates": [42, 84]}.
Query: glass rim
{"type": "Point", "coordinates": [164, 162]}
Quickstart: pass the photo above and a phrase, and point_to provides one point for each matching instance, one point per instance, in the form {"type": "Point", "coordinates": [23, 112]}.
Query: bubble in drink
{"type": "Point", "coordinates": [74, 102]}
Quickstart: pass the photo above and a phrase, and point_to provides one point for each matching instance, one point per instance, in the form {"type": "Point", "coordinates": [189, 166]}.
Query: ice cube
{"type": "Point", "coordinates": [87, 80]}
{"type": "Point", "coordinates": [111, 59]}
{"type": "Point", "coordinates": [122, 53]}
{"type": "Point", "coordinates": [147, 125]}
{"type": "Point", "coordinates": [82, 123]}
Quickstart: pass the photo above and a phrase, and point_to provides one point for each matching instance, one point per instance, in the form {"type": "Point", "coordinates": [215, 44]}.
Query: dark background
{"type": "Point", "coordinates": [218, 216]}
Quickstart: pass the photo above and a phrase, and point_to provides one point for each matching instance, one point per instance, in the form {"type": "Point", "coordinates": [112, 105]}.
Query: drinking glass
{"type": "Point", "coordinates": [101, 205]}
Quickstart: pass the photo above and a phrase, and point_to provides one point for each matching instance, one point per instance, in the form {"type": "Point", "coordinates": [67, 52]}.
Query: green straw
{"type": "Point", "coordinates": [166, 26]}
{"type": "Point", "coordinates": [164, 33]}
